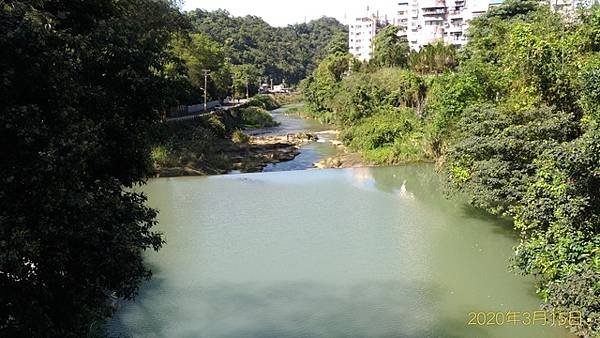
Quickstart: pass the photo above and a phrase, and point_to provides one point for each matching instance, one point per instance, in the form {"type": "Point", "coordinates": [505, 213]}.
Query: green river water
{"type": "Point", "coordinates": [366, 252]}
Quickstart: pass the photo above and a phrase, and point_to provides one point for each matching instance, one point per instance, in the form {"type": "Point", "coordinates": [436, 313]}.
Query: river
{"type": "Point", "coordinates": [361, 252]}
{"type": "Point", "coordinates": [310, 153]}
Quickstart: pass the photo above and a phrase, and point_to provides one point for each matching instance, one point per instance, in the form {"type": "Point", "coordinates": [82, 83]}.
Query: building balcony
{"type": "Point", "coordinates": [433, 11]}
{"type": "Point", "coordinates": [434, 19]}
{"type": "Point", "coordinates": [456, 14]}
{"type": "Point", "coordinates": [432, 4]}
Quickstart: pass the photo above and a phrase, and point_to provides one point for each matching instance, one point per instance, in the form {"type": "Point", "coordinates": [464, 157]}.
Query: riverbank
{"type": "Point", "coordinates": [241, 153]}
{"type": "Point", "coordinates": [246, 139]}
{"type": "Point", "coordinates": [250, 139]}
{"type": "Point", "coordinates": [346, 157]}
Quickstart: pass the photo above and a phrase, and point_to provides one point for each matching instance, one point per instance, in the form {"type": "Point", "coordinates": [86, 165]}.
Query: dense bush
{"type": "Point", "coordinates": [255, 117]}
{"type": "Point", "coordinates": [267, 102]}
{"type": "Point", "coordinates": [494, 159]}
{"type": "Point", "coordinates": [390, 135]}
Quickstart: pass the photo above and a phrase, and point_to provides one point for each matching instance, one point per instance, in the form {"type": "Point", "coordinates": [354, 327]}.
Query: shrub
{"type": "Point", "coordinates": [159, 156]}
{"type": "Point", "coordinates": [267, 102]}
{"type": "Point", "coordinates": [391, 135]}
{"type": "Point", "coordinates": [255, 117]}
{"type": "Point", "coordinates": [217, 125]}
{"type": "Point", "coordinates": [239, 137]}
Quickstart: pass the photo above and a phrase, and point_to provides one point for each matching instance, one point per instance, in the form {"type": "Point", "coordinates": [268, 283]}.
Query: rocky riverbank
{"type": "Point", "coordinates": [346, 160]}
{"type": "Point", "coordinates": [252, 155]}
{"type": "Point", "coordinates": [263, 150]}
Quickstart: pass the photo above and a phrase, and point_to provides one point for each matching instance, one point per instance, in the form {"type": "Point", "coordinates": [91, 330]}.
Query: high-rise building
{"type": "Point", "coordinates": [361, 33]}
{"type": "Point", "coordinates": [423, 22]}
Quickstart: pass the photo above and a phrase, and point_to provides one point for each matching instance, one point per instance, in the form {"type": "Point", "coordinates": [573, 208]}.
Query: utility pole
{"type": "Point", "coordinates": [247, 91]}
{"type": "Point", "coordinates": [206, 72]}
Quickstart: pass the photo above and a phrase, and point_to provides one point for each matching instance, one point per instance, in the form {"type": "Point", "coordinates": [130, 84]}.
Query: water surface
{"type": "Point", "coordinates": [365, 252]}
{"type": "Point", "coordinates": [309, 153]}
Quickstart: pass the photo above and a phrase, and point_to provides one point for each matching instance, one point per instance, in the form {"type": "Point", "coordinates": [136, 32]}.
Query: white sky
{"type": "Point", "coordinates": [285, 12]}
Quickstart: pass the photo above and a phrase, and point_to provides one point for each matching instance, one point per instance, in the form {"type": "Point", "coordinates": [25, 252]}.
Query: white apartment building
{"type": "Point", "coordinates": [423, 22]}
{"type": "Point", "coordinates": [361, 34]}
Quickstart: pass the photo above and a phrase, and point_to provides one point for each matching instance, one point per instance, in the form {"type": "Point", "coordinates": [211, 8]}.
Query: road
{"type": "Point", "coordinates": [197, 115]}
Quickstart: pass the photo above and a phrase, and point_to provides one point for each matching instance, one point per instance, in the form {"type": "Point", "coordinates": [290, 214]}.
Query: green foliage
{"type": "Point", "coordinates": [390, 136]}
{"type": "Point", "coordinates": [433, 59]}
{"type": "Point", "coordinates": [82, 85]}
{"type": "Point", "coordinates": [401, 88]}
{"type": "Point", "coordinates": [319, 88]}
{"type": "Point", "coordinates": [578, 292]}
{"type": "Point", "coordinates": [242, 78]}
{"type": "Point", "coordinates": [338, 44]}
{"type": "Point", "coordinates": [255, 117]}
{"type": "Point", "coordinates": [497, 150]}
{"type": "Point", "coordinates": [389, 50]}
{"type": "Point", "coordinates": [286, 53]}
{"type": "Point", "coordinates": [532, 152]}
{"type": "Point", "coordinates": [513, 9]}
{"type": "Point", "coordinates": [266, 102]}
{"type": "Point", "coordinates": [590, 87]}
{"type": "Point", "coordinates": [559, 219]}
{"type": "Point", "coordinates": [238, 136]}
{"type": "Point", "coordinates": [159, 156]}
{"type": "Point", "coordinates": [200, 53]}
{"type": "Point", "coordinates": [447, 98]}
{"type": "Point", "coordinates": [589, 30]}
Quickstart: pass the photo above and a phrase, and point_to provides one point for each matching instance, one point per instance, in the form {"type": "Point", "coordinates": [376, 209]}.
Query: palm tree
{"type": "Point", "coordinates": [433, 59]}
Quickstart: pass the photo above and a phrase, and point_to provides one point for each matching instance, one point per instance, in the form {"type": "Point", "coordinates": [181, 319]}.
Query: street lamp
{"type": "Point", "coordinates": [206, 72]}
{"type": "Point", "coordinates": [247, 91]}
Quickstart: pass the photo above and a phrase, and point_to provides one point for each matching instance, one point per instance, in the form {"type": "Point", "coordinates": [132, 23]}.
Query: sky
{"type": "Point", "coordinates": [286, 12]}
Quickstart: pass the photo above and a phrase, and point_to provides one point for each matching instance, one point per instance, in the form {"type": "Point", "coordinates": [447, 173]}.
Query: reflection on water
{"type": "Point", "coordinates": [334, 253]}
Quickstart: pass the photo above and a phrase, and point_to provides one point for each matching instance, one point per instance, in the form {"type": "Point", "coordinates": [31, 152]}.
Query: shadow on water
{"type": "Point", "coordinates": [422, 182]}
{"type": "Point", "coordinates": [396, 309]}
{"type": "Point", "coordinates": [500, 225]}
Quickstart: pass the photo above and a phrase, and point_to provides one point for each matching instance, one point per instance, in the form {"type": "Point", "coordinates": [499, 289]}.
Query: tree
{"type": "Point", "coordinates": [433, 59]}
{"type": "Point", "coordinates": [512, 9]}
{"type": "Point", "coordinates": [243, 77]}
{"type": "Point", "coordinates": [560, 221]}
{"type": "Point", "coordinates": [320, 87]}
{"type": "Point", "coordinates": [389, 49]}
{"type": "Point", "coordinates": [494, 160]}
{"type": "Point", "coordinates": [201, 53]}
{"type": "Point", "coordinates": [338, 44]}
{"type": "Point", "coordinates": [280, 53]}
{"type": "Point", "coordinates": [82, 87]}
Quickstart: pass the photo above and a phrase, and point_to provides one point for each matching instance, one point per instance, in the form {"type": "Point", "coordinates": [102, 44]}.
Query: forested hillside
{"type": "Point", "coordinates": [281, 53]}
